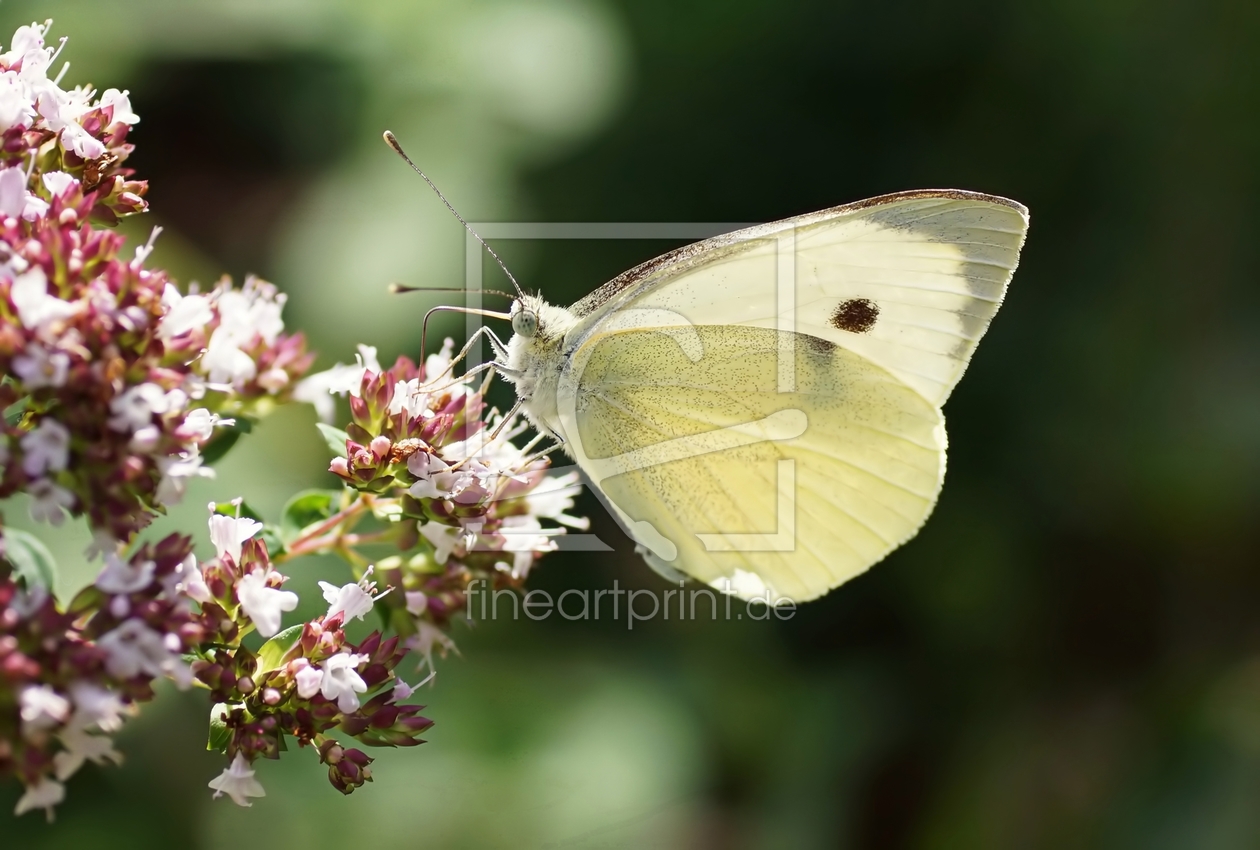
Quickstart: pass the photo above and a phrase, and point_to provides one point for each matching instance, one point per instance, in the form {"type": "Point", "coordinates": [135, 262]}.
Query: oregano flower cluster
{"type": "Point", "coordinates": [120, 386]}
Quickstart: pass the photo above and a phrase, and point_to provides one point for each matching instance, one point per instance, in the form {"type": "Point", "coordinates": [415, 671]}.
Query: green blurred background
{"type": "Point", "coordinates": [1067, 656]}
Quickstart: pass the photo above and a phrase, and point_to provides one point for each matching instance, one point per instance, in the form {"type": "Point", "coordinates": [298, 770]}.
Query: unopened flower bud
{"type": "Point", "coordinates": [330, 752]}
{"type": "Point", "coordinates": [380, 447]}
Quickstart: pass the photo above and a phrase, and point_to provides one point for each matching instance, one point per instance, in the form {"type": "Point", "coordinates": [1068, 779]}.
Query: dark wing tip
{"type": "Point", "coordinates": [943, 194]}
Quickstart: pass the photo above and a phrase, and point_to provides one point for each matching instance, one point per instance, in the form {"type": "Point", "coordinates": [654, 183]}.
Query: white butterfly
{"type": "Point", "coordinates": [762, 410]}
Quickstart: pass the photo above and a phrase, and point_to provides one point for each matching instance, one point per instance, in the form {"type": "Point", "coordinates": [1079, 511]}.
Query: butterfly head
{"type": "Point", "coordinates": [535, 357]}
{"type": "Point", "coordinates": [537, 324]}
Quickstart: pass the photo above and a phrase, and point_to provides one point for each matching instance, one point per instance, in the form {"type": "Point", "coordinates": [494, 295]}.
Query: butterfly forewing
{"type": "Point", "coordinates": [908, 281]}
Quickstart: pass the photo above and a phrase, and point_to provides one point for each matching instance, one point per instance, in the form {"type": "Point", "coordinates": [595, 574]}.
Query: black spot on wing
{"type": "Point", "coordinates": [857, 315]}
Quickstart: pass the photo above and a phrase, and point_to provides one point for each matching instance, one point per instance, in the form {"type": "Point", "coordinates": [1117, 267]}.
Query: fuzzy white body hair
{"type": "Point", "coordinates": [538, 361]}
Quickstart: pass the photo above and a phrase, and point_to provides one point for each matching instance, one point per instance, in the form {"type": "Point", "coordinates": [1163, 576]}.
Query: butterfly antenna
{"type": "Point", "coordinates": [393, 143]}
{"type": "Point", "coordinates": [396, 288]}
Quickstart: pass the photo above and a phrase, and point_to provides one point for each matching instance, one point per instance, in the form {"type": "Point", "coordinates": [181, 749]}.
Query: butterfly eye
{"type": "Point", "coordinates": [525, 323]}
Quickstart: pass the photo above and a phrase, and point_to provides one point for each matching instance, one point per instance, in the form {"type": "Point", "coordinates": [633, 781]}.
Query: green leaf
{"type": "Point", "coordinates": [214, 450]}
{"type": "Point", "coordinates": [219, 735]}
{"type": "Point", "coordinates": [335, 438]}
{"type": "Point", "coordinates": [13, 413]}
{"type": "Point", "coordinates": [304, 510]}
{"type": "Point", "coordinates": [272, 541]}
{"type": "Point", "coordinates": [88, 599]}
{"type": "Point", "coordinates": [276, 648]}
{"type": "Point", "coordinates": [31, 560]}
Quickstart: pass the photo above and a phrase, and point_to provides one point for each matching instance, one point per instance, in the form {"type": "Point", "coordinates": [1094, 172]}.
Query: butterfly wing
{"type": "Point", "coordinates": [683, 375]}
{"type": "Point", "coordinates": [718, 473]}
{"type": "Point", "coordinates": [908, 281]}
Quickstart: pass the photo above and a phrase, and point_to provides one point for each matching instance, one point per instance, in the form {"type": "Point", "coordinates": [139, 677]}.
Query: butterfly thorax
{"type": "Point", "coordinates": [537, 362]}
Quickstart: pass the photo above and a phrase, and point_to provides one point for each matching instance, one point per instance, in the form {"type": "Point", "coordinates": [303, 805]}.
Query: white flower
{"type": "Point", "coordinates": [495, 458]}
{"type": "Point", "coordinates": [26, 39]}
{"type": "Point", "coordinates": [135, 408]}
{"type": "Point", "coordinates": [39, 368]}
{"type": "Point", "coordinates": [522, 536]}
{"type": "Point", "coordinates": [245, 315]}
{"type": "Point", "coordinates": [426, 638]}
{"type": "Point", "coordinates": [435, 365]}
{"type": "Point", "coordinates": [59, 183]}
{"type": "Point", "coordinates": [183, 313]}
{"type": "Point", "coordinates": [273, 380]}
{"type": "Point", "coordinates": [119, 576]}
{"type": "Point", "coordinates": [121, 102]}
{"type": "Point", "coordinates": [187, 580]}
{"type": "Point", "coordinates": [67, 107]}
{"type": "Point", "coordinates": [253, 309]}
{"type": "Point", "coordinates": [145, 439]}
{"type": "Point", "coordinates": [417, 602]}
{"type": "Point", "coordinates": [42, 708]}
{"type": "Point", "coordinates": [351, 600]}
{"type": "Point", "coordinates": [16, 107]}
{"type": "Point", "coordinates": [341, 683]}
{"type": "Point", "coordinates": [80, 747]}
{"type": "Point", "coordinates": [238, 782]}
{"type": "Point", "coordinates": [264, 605]}
{"type": "Point", "coordinates": [83, 143]}
{"type": "Point", "coordinates": [46, 448]}
{"type": "Point", "coordinates": [224, 362]}
{"type": "Point", "coordinates": [308, 680]}
{"type": "Point", "coordinates": [102, 543]}
{"type": "Point", "coordinates": [12, 191]}
{"type": "Point", "coordinates": [408, 398]}
{"type": "Point", "coordinates": [133, 648]}
{"type": "Point", "coordinates": [16, 199]}
{"type": "Point", "coordinates": [340, 379]}
{"type": "Point", "coordinates": [199, 424]}
{"type": "Point", "coordinates": [436, 479]}
{"type": "Point", "coordinates": [404, 691]}
{"type": "Point", "coordinates": [26, 603]}
{"type": "Point", "coordinates": [96, 705]}
{"type": "Point", "coordinates": [553, 496]}
{"type": "Point", "coordinates": [44, 794]}
{"type": "Point", "coordinates": [444, 538]}
{"type": "Point", "coordinates": [228, 533]}
{"type": "Point", "coordinates": [34, 207]}
{"type": "Point", "coordinates": [49, 501]}
{"type": "Point", "coordinates": [175, 472]}
{"type": "Point", "coordinates": [36, 308]}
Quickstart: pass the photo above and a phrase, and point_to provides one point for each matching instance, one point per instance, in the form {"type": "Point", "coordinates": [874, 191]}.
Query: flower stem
{"type": "Point", "coordinates": [318, 538]}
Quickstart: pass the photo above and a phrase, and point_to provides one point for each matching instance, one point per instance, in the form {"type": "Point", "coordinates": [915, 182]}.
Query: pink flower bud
{"type": "Point", "coordinates": [380, 447]}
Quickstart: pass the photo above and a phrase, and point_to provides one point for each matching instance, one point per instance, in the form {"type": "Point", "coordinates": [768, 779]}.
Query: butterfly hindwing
{"type": "Point", "coordinates": [691, 452]}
